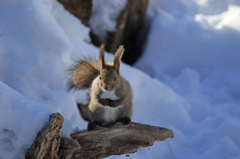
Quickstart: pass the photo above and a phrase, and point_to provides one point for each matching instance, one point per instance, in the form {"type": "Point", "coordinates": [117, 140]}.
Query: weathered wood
{"type": "Point", "coordinates": [119, 139]}
{"type": "Point", "coordinates": [101, 142]}
{"type": "Point", "coordinates": [129, 24]}
{"type": "Point", "coordinates": [68, 148]}
{"type": "Point", "coordinates": [47, 141]}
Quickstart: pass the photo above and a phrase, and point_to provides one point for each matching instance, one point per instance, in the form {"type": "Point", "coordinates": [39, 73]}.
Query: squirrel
{"type": "Point", "coordinates": [110, 93]}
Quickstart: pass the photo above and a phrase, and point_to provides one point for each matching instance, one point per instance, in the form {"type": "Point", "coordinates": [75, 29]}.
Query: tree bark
{"type": "Point", "coordinates": [47, 141]}
{"type": "Point", "coordinates": [127, 33]}
{"type": "Point", "coordinates": [68, 148]}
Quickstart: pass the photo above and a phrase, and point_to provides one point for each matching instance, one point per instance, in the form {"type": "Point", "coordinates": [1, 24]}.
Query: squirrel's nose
{"type": "Point", "coordinates": [106, 88]}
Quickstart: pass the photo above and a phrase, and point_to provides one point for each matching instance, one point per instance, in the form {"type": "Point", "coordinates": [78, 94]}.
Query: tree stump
{"type": "Point", "coordinates": [47, 141]}
{"type": "Point", "coordinates": [129, 24]}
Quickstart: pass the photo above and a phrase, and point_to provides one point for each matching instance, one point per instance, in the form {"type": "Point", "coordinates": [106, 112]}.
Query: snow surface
{"type": "Point", "coordinates": [193, 48]}
{"type": "Point", "coordinates": [21, 120]}
{"type": "Point", "coordinates": [104, 15]}
{"type": "Point", "coordinates": [191, 56]}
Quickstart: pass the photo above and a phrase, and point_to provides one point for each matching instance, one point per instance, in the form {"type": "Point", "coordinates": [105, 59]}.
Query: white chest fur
{"type": "Point", "coordinates": [110, 114]}
{"type": "Point", "coordinates": [109, 95]}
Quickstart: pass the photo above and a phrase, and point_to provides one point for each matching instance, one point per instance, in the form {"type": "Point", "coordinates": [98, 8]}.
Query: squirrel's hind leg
{"type": "Point", "coordinates": [91, 126]}
{"type": "Point", "coordinates": [125, 121]}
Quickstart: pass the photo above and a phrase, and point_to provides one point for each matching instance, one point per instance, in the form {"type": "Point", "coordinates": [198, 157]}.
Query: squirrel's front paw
{"type": "Point", "coordinates": [112, 103]}
{"type": "Point", "coordinates": [103, 101]}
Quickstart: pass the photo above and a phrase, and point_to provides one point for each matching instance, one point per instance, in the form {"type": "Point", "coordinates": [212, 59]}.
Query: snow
{"type": "Point", "coordinates": [21, 120]}
{"type": "Point", "coordinates": [104, 15]}
{"type": "Point", "coordinates": [187, 79]}
{"type": "Point", "coordinates": [193, 48]}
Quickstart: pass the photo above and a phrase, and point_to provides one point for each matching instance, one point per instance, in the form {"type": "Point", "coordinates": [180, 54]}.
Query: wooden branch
{"type": "Point", "coordinates": [119, 139]}
{"type": "Point", "coordinates": [101, 142]}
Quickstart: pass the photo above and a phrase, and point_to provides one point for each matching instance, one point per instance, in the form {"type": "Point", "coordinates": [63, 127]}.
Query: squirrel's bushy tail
{"type": "Point", "coordinates": [82, 73]}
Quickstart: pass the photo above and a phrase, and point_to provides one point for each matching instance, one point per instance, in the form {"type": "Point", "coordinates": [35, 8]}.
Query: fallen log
{"type": "Point", "coordinates": [99, 143]}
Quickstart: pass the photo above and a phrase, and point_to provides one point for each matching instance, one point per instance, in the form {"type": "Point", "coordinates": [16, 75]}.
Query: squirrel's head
{"type": "Point", "coordinates": [109, 73]}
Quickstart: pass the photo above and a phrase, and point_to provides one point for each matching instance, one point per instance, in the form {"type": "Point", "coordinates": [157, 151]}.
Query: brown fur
{"type": "Point", "coordinates": [101, 57]}
{"type": "Point", "coordinates": [118, 57]}
{"type": "Point", "coordinates": [82, 73]}
{"type": "Point", "coordinates": [110, 72]}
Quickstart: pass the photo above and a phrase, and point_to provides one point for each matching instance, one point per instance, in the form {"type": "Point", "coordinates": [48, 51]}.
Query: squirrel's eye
{"type": "Point", "coordinates": [100, 77]}
{"type": "Point", "coordinates": [115, 78]}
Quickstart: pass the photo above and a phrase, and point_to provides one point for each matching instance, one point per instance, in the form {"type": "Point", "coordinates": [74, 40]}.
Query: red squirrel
{"type": "Point", "coordinates": [110, 93]}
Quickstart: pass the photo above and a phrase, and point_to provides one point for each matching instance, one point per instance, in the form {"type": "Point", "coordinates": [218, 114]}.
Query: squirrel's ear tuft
{"type": "Point", "coordinates": [118, 57]}
{"type": "Point", "coordinates": [101, 57]}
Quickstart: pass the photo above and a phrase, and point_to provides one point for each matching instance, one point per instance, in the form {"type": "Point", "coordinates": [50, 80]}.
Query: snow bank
{"type": "Point", "coordinates": [193, 48]}
{"type": "Point", "coordinates": [34, 52]}
{"type": "Point", "coordinates": [21, 120]}
{"type": "Point", "coordinates": [192, 55]}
